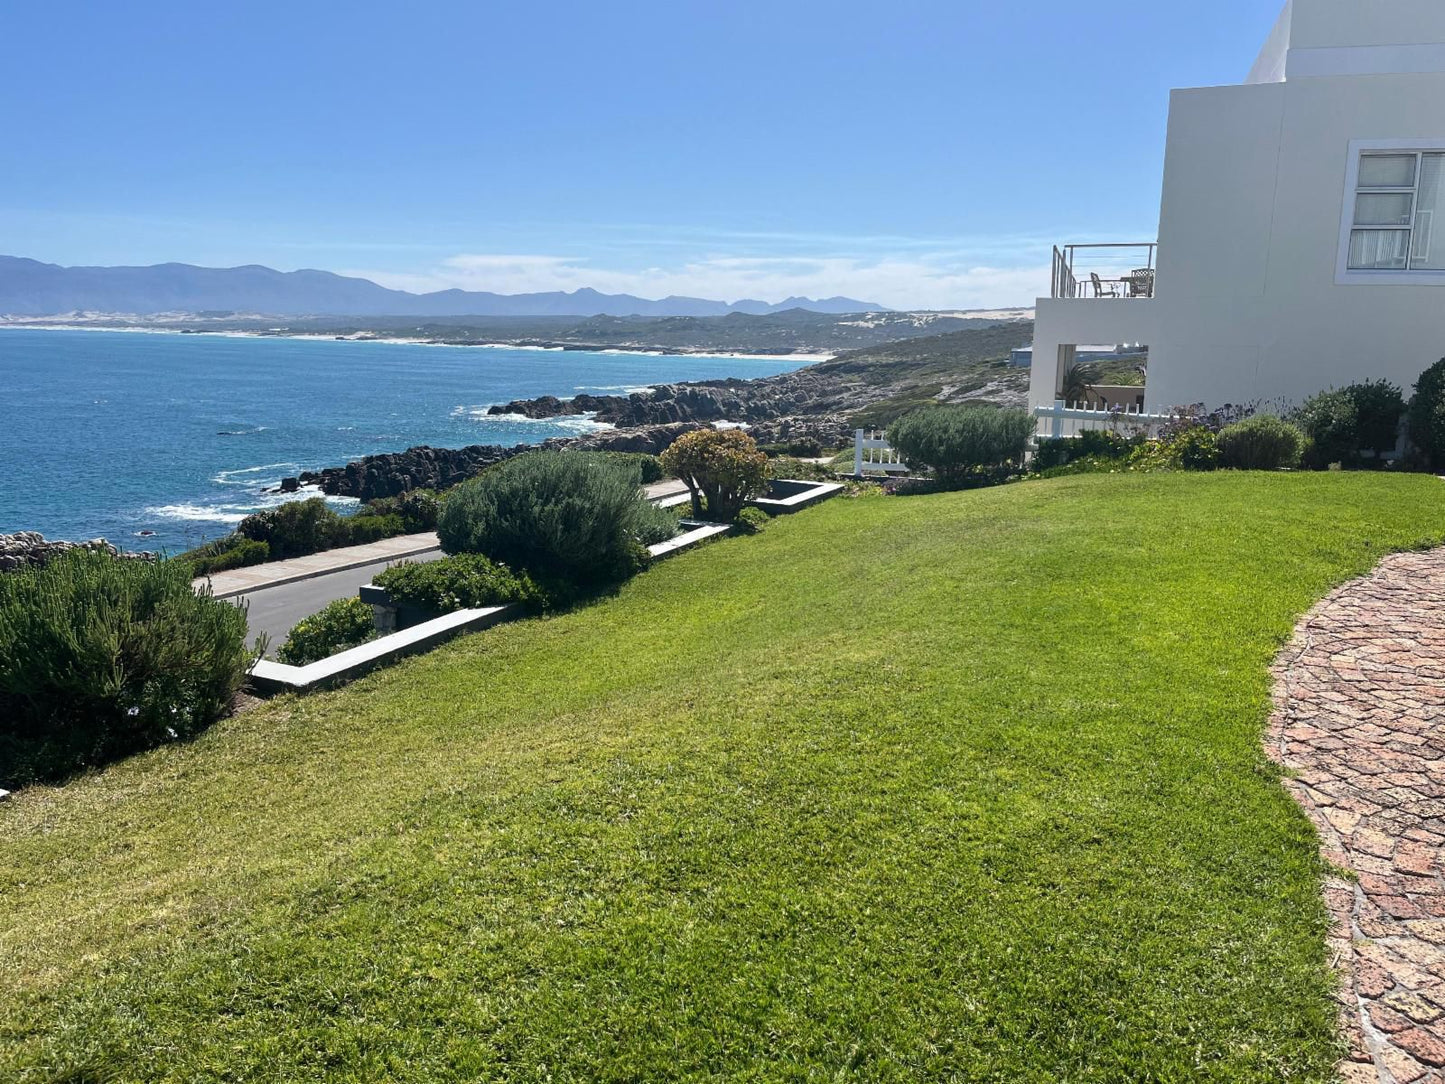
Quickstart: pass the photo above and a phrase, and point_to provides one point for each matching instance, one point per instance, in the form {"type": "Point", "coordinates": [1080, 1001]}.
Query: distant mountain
{"type": "Point", "coordinates": [31, 288]}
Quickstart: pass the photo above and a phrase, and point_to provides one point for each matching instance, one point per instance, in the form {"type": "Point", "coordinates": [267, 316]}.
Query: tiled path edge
{"type": "Point", "coordinates": [1359, 697]}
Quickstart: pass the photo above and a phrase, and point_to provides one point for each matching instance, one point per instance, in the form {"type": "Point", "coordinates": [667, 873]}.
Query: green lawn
{"type": "Point", "coordinates": [965, 787]}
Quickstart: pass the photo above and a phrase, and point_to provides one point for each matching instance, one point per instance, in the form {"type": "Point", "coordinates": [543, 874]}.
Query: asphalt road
{"type": "Point", "coordinates": [272, 611]}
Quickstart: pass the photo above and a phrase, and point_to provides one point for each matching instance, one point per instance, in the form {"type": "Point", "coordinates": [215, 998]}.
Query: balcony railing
{"type": "Point", "coordinates": [1117, 271]}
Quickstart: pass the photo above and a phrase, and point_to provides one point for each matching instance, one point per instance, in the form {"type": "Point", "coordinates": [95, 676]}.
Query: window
{"type": "Point", "coordinates": [1398, 195]}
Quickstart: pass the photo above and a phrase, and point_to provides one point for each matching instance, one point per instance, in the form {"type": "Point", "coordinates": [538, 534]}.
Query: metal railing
{"type": "Point", "coordinates": [1121, 271]}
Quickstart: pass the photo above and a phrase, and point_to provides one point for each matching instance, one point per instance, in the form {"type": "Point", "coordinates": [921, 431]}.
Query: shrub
{"type": "Point", "coordinates": [573, 516]}
{"type": "Point", "coordinates": [655, 524]}
{"type": "Point", "coordinates": [1427, 415]}
{"type": "Point", "coordinates": [787, 467]}
{"type": "Point", "coordinates": [722, 469]}
{"type": "Point", "coordinates": [1262, 442]}
{"type": "Point", "coordinates": [344, 623]}
{"type": "Point", "coordinates": [462, 582]}
{"type": "Point", "coordinates": [1343, 422]}
{"type": "Point", "coordinates": [417, 509]}
{"type": "Point", "coordinates": [751, 521]}
{"type": "Point", "coordinates": [649, 469]}
{"type": "Point", "coordinates": [296, 528]}
{"type": "Point", "coordinates": [955, 441]}
{"type": "Point", "coordinates": [1058, 451]}
{"type": "Point", "coordinates": [233, 551]}
{"type": "Point", "coordinates": [362, 529]}
{"type": "Point", "coordinates": [1194, 447]}
{"type": "Point", "coordinates": [101, 657]}
{"type": "Point", "coordinates": [1380, 406]}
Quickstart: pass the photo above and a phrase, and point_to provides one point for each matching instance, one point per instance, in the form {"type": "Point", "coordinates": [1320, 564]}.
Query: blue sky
{"type": "Point", "coordinates": [918, 153]}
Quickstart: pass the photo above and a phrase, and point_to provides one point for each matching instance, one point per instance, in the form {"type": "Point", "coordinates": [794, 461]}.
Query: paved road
{"type": "Point", "coordinates": [273, 610]}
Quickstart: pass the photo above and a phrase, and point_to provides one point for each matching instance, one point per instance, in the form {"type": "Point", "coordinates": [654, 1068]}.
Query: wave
{"type": "Point", "coordinates": [625, 389]}
{"type": "Point", "coordinates": [228, 477]}
{"type": "Point", "coordinates": [568, 423]}
{"type": "Point", "coordinates": [197, 513]}
{"type": "Point", "coordinates": [241, 432]}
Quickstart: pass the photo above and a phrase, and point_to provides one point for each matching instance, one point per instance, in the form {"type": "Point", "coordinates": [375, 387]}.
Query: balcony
{"type": "Point", "coordinates": [1114, 272]}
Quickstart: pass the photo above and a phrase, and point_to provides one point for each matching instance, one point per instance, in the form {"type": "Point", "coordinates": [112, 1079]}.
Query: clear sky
{"type": "Point", "coordinates": [918, 153]}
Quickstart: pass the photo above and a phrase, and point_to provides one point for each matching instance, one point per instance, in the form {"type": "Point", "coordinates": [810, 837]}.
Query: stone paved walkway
{"type": "Point", "coordinates": [1359, 698]}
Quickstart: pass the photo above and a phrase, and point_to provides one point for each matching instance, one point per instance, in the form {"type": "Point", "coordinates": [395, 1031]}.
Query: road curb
{"type": "Point", "coordinates": [313, 574]}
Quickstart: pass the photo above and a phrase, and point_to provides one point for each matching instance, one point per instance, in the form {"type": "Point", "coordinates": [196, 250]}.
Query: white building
{"type": "Point", "coordinates": [1296, 246]}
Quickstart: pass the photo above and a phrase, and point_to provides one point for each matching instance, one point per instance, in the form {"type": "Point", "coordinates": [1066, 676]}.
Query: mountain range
{"type": "Point", "coordinates": [31, 288]}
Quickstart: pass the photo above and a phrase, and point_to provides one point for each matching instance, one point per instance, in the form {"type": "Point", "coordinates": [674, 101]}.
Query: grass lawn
{"type": "Point", "coordinates": [964, 787]}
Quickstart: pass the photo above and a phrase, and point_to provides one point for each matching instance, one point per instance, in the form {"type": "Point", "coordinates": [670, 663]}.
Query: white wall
{"type": "Point", "coordinates": [1269, 65]}
{"type": "Point", "coordinates": [1353, 23]}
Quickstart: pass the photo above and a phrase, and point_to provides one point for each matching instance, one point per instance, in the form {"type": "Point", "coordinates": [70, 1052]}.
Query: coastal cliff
{"type": "Point", "coordinates": [818, 405]}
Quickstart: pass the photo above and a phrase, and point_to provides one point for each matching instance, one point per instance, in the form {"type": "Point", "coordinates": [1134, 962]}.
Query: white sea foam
{"type": "Point", "coordinates": [625, 389]}
{"type": "Point", "coordinates": [197, 513]}
{"type": "Point", "coordinates": [237, 477]}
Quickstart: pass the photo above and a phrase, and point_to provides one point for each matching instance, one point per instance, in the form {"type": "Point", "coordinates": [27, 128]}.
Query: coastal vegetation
{"type": "Point", "coordinates": [101, 657]}
{"type": "Point", "coordinates": [459, 582]}
{"type": "Point", "coordinates": [1260, 442]}
{"type": "Point", "coordinates": [896, 790]}
{"type": "Point", "coordinates": [959, 442]}
{"type": "Point", "coordinates": [344, 623]}
{"type": "Point", "coordinates": [570, 519]}
{"type": "Point", "coordinates": [722, 469]}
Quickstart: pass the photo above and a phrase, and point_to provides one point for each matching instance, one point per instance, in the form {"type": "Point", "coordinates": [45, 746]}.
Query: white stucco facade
{"type": "Point", "coordinates": [1260, 293]}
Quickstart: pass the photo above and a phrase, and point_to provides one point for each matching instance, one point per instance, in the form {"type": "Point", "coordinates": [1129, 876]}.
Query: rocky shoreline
{"type": "Point", "coordinates": [27, 549]}
{"type": "Point", "coordinates": [813, 407]}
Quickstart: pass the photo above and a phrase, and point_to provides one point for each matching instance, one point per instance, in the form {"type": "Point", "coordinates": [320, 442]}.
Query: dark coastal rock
{"type": "Point", "coordinates": [648, 439]}
{"type": "Point", "coordinates": [289, 485]}
{"type": "Point", "coordinates": [393, 473]}
{"type": "Point", "coordinates": [26, 549]}
{"type": "Point", "coordinates": [547, 406]}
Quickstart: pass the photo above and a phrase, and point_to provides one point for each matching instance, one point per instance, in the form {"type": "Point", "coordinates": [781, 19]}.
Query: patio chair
{"type": "Point", "coordinates": [1102, 288]}
{"type": "Point", "coordinates": [1141, 282]}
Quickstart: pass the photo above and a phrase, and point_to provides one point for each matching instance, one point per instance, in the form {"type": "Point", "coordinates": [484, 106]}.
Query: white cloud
{"type": "Point", "coordinates": [912, 282]}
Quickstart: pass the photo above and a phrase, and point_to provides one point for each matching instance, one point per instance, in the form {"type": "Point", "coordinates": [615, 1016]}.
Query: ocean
{"type": "Point", "coordinates": [116, 434]}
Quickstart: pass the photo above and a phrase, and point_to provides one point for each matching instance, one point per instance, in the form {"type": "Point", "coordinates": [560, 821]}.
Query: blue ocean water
{"type": "Point", "coordinates": [118, 433]}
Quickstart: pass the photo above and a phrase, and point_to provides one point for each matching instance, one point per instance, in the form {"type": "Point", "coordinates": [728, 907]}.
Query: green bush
{"type": "Point", "coordinates": [300, 528]}
{"type": "Point", "coordinates": [1262, 442]}
{"type": "Point", "coordinates": [649, 469]}
{"type": "Point", "coordinates": [461, 582]}
{"type": "Point", "coordinates": [233, 551]}
{"type": "Point", "coordinates": [956, 441]}
{"type": "Point", "coordinates": [1341, 423]}
{"type": "Point", "coordinates": [1380, 406]}
{"type": "Point", "coordinates": [417, 508]}
{"type": "Point", "coordinates": [788, 467]}
{"type": "Point", "coordinates": [1193, 447]}
{"type": "Point", "coordinates": [1058, 451]}
{"type": "Point", "coordinates": [722, 469]}
{"type": "Point", "coordinates": [751, 521]}
{"type": "Point", "coordinates": [1427, 416]}
{"type": "Point", "coordinates": [101, 657]}
{"type": "Point", "coordinates": [362, 529]}
{"type": "Point", "coordinates": [572, 516]}
{"type": "Point", "coordinates": [655, 525]}
{"type": "Point", "coordinates": [344, 623]}
{"type": "Point", "coordinates": [296, 528]}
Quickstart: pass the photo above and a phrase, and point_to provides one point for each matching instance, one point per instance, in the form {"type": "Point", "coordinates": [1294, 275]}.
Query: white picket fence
{"type": "Point", "coordinates": [1061, 420]}
{"type": "Point", "coordinates": [875, 454]}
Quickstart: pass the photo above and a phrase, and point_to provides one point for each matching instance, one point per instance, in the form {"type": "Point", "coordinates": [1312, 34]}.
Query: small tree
{"type": "Point", "coordinates": [955, 441]}
{"type": "Point", "coordinates": [722, 469]}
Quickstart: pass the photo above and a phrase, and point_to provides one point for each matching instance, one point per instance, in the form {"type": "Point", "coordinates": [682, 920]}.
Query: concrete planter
{"type": "Point", "coordinates": [787, 495]}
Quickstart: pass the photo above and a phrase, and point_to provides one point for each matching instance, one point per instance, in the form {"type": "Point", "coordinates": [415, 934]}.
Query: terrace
{"type": "Point", "coordinates": [1122, 271]}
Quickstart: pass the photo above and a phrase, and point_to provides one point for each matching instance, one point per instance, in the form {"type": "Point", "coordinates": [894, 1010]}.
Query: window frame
{"type": "Point", "coordinates": [1345, 275]}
